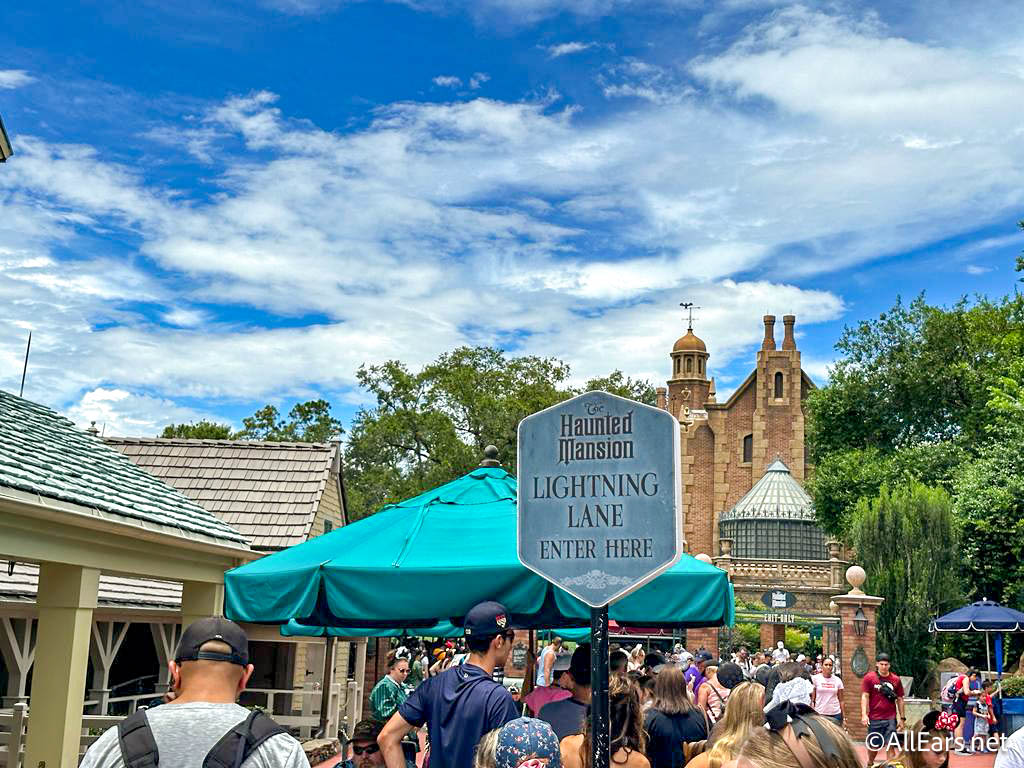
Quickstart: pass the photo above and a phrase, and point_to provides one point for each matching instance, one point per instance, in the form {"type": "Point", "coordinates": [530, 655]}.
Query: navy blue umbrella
{"type": "Point", "coordinates": [983, 616]}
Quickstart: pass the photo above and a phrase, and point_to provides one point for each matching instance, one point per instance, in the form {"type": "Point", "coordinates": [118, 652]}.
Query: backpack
{"type": "Point", "coordinates": [949, 692]}
{"type": "Point", "coordinates": [138, 747]}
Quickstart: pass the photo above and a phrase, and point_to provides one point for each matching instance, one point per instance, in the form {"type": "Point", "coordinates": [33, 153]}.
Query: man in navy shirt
{"type": "Point", "coordinates": [462, 703]}
{"type": "Point", "coordinates": [566, 716]}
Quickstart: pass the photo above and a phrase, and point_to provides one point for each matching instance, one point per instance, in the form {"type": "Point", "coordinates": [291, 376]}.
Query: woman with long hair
{"type": "Point", "coordinates": [711, 696]}
{"type": "Point", "coordinates": [743, 716]}
{"type": "Point", "coordinates": [627, 730]}
{"type": "Point", "coordinates": [673, 722]}
{"type": "Point", "coordinates": [797, 737]}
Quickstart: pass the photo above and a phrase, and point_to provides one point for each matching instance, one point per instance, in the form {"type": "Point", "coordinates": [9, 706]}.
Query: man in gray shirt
{"type": "Point", "coordinates": [210, 670]}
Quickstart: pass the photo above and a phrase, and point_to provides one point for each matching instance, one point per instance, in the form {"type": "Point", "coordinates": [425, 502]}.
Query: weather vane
{"type": "Point", "coordinates": [689, 307]}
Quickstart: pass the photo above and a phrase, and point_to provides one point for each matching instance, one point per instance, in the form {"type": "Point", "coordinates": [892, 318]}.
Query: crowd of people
{"type": "Point", "coordinates": [666, 711]}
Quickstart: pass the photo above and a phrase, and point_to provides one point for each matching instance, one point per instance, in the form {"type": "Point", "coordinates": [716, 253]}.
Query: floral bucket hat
{"type": "Point", "coordinates": [527, 743]}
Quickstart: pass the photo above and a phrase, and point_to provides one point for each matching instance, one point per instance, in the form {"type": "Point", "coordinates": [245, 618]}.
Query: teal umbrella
{"type": "Point", "coordinates": [430, 558]}
{"type": "Point", "coordinates": [441, 629]}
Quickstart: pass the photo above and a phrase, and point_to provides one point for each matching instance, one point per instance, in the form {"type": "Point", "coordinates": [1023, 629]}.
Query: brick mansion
{"type": "Point", "coordinates": [743, 468]}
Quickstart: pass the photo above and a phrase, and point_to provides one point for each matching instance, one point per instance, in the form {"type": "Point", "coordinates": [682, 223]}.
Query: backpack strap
{"type": "Point", "coordinates": [241, 741]}
{"type": "Point", "coordinates": [138, 747]}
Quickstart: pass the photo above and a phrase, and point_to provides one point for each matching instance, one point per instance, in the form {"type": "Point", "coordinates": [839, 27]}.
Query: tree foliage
{"type": "Point", "coordinates": [909, 399]}
{"type": "Point", "coordinates": [907, 541]}
{"type": "Point", "coordinates": [933, 396]}
{"type": "Point", "coordinates": [308, 422]}
{"type": "Point", "coordinates": [198, 430]}
{"type": "Point", "coordinates": [619, 384]}
{"type": "Point", "coordinates": [428, 427]}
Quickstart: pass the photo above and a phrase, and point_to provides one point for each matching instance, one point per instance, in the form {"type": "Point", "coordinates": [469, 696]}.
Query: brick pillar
{"type": "Point", "coordinates": [702, 638]}
{"type": "Point", "coordinates": [771, 634]}
{"type": "Point", "coordinates": [858, 651]}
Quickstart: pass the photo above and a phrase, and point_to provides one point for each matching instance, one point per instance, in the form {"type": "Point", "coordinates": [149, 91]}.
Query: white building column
{"type": "Point", "coordinates": [107, 637]}
{"type": "Point", "coordinates": [18, 648]}
{"type": "Point", "coordinates": [199, 600]}
{"type": "Point", "coordinates": [66, 600]}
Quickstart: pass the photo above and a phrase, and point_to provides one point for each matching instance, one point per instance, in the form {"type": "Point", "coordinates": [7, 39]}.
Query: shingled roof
{"type": "Point", "coordinates": [267, 490]}
{"type": "Point", "coordinates": [44, 454]}
{"type": "Point", "coordinates": [22, 583]}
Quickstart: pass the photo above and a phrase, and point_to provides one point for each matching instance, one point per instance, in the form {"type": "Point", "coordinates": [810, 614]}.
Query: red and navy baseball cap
{"type": "Point", "coordinates": [486, 618]}
{"type": "Point", "coordinates": [214, 628]}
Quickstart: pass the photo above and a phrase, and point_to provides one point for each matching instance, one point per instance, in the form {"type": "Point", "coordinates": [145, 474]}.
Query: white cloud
{"type": "Point", "coordinates": [183, 317]}
{"type": "Point", "coordinates": [478, 79]}
{"type": "Point", "coordinates": [975, 269]}
{"type": "Point", "coordinates": [567, 49]}
{"type": "Point", "coordinates": [119, 413]}
{"type": "Point", "coordinates": [14, 78]}
{"type": "Point", "coordinates": [819, 370]}
{"type": "Point", "coordinates": [487, 221]}
{"type": "Point", "coordinates": [448, 81]}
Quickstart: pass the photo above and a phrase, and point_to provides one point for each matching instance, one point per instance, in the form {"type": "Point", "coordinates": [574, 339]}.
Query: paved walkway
{"type": "Point", "coordinates": [955, 760]}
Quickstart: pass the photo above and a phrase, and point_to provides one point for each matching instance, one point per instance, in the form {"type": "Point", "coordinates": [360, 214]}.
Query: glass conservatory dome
{"type": "Point", "coordinates": [774, 520]}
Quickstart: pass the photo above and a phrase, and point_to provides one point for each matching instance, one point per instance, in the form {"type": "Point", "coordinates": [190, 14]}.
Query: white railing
{"type": "Point", "coordinates": [14, 722]}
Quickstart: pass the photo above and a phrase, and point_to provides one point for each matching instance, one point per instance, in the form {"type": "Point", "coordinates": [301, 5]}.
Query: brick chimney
{"type": "Point", "coordinates": [662, 398]}
{"type": "Point", "coordinates": [788, 321]}
{"type": "Point", "coordinates": [769, 332]}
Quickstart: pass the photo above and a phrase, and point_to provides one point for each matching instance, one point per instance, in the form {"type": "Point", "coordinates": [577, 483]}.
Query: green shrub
{"type": "Point", "coordinates": [797, 641]}
{"type": "Point", "coordinates": [1013, 687]}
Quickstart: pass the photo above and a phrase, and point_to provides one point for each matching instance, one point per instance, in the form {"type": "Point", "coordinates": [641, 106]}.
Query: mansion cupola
{"type": "Point", "coordinates": [689, 385]}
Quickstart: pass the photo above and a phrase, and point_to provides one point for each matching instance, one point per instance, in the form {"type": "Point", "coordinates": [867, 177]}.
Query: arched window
{"type": "Point", "coordinates": [748, 448]}
{"type": "Point", "coordinates": [677, 365]}
{"type": "Point", "coordinates": [689, 365]}
{"type": "Point", "coordinates": [700, 366]}
{"type": "Point", "coordinates": [778, 385]}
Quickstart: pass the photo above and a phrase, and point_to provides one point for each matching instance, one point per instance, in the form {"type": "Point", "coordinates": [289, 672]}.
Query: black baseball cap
{"type": "Point", "coordinates": [486, 618]}
{"type": "Point", "coordinates": [214, 628]}
{"type": "Point", "coordinates": [882, 657]}
{"type": "Point", "coordinates": [703, 656]}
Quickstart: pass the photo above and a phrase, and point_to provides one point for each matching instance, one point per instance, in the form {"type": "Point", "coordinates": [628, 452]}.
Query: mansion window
{"type": "Point", "coordinates": [748, 448]}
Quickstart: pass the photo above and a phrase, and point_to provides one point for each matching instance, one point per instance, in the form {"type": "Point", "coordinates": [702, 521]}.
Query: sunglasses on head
{"type": "Point", "coordinates": [369, 749]}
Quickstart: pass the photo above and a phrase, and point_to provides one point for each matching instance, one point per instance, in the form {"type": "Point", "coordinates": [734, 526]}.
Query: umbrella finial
{"type": "Point", "coordinates": [490, 457]}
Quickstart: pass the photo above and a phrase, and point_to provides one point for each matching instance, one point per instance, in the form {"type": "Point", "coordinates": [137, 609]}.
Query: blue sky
{"type": "Point", "coordinates": [214, 205]}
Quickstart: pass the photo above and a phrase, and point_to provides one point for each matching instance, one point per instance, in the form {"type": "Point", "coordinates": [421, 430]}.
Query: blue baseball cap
{"type": "Point", "coordinates": [486, 618]}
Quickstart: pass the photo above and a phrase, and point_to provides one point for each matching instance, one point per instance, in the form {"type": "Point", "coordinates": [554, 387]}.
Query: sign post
{"type": "Point", "coordinates": [599, 512]}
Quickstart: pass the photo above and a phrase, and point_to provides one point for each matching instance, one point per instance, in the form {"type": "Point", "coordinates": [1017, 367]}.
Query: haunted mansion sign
{"type": "Point", "coordinates": [599, 495]}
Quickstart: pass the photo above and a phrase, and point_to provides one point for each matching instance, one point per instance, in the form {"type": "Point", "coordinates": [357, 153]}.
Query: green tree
{"type": "Point", "coordinates": [428, 427]}
{"type": "Point", "coordinates": [617, 383]}
{"type": "Point", "coordinates": [198, 430]}
{"type": "Point", "coordinates": [308, 422]}
{"type": "Point", "coordinates": [908, 399]}
{"type": "Point", "coordinates": [908, 542]}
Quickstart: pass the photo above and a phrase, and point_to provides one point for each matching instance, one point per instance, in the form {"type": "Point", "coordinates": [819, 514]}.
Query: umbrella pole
{"type": "Point", "coordinates": [600, 725]}
{"type": "Point", "coordinates": [325, 685]}
{"type": "Point", "coordinates": [988, 655]}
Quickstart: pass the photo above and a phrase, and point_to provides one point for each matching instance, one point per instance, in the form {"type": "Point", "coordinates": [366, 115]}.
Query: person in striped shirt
{"type": "Point", "coordinates": [389, 693]}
